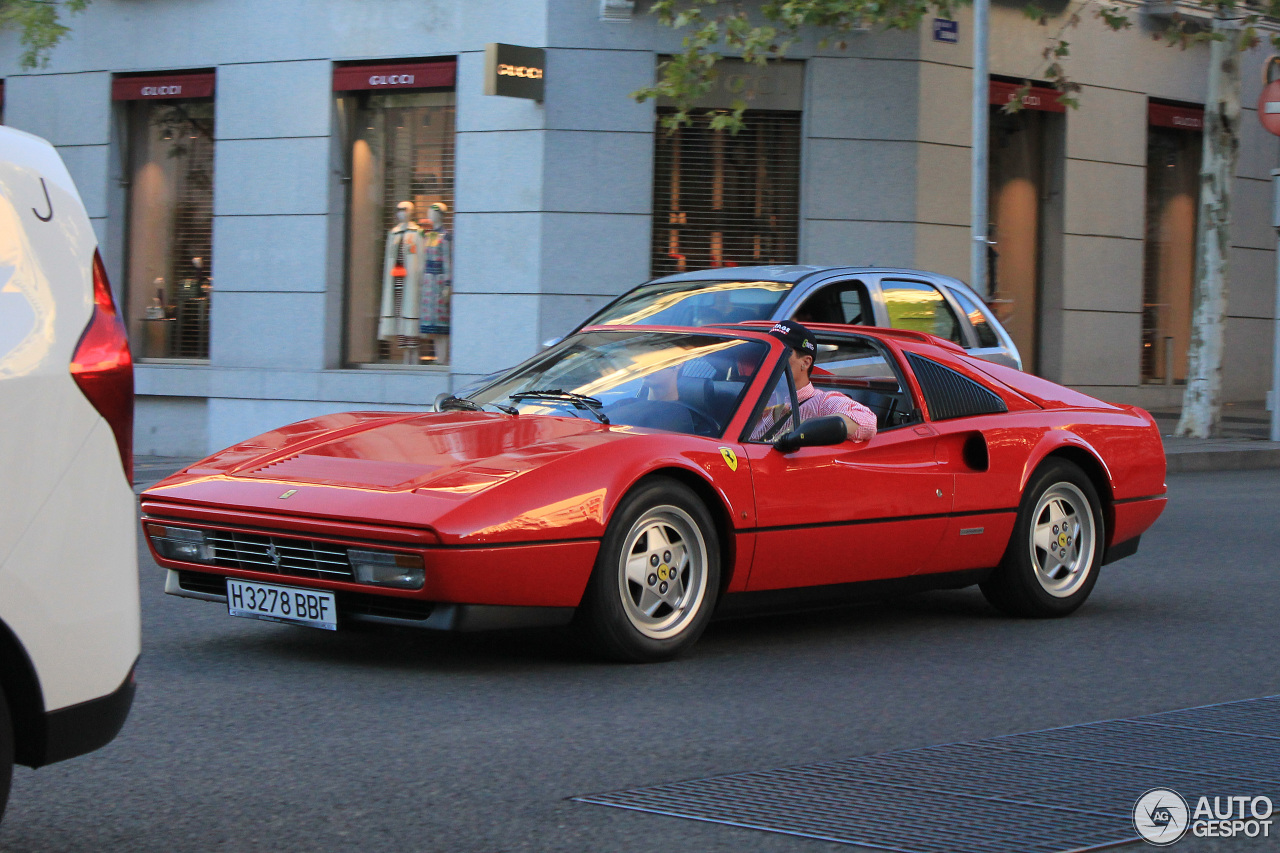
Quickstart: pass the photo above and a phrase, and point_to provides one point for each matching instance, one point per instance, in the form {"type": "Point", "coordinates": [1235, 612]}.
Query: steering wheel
{"type": "Point", "coordinates": [701, 419]}
{"type": "Point", "coordinates": [776, 427]}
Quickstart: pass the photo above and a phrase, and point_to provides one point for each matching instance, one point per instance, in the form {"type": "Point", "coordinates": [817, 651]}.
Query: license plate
{"type": "Point", "coordinates": [309, 607]}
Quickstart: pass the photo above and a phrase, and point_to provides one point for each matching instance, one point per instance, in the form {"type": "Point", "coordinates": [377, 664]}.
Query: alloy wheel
{"type": "Point", "coordinates": [662, 572]}
{"type": "Point", "coordinates": [1063, 539]}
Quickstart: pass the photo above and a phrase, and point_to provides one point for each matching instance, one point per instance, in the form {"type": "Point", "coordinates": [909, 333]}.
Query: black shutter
{"type": "Point", "coordinates": [721, 199]}
{"type": "Point", "coordinates": [949, 394]}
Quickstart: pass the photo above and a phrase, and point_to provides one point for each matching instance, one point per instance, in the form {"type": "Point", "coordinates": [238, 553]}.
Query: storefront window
{"type": "Point", "coordinates": [400, 218]}
{"type": "Point", "coordinates": [1025, 203]}
{"type": "Point", "coordinates": [169, 273]}
{"type": "Point", "coordinates": [724, 200]}
{"type": "Point", "coordinates": [1173, 185]}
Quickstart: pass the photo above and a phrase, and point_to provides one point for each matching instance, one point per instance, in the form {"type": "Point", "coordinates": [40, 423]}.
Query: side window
{"type": "Point", "coordinates": [859, 369]}
{"type": "Point", "coordinates": [845, 302]}
{"type": "Point", "coordinates": [986, 334]}
{"type": "Point", "coordinates": [919, 307]}
{"type": "Point", "coordinates": [777, 416]}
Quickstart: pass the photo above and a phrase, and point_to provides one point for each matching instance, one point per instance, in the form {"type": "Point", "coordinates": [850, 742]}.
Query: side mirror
{"type": "Point", "coordinates": [815, 432]}
{"type": "Point", "coordinates": [440, 398]}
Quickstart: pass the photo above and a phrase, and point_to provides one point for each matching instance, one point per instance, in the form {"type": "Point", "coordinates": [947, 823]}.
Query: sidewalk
{"type": "Point", "coordinates": [1243, 444]}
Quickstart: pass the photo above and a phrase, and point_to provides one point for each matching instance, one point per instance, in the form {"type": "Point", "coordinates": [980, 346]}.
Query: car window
{"type": "Point", "coordinates": [776, 416]}
{"type": "Point", "coordinates": [845, 302]}
{"type": "Point", "coordinates": [861, 370]}
{"type": "Point", "coordinates": [679, 382]}
{"type": "Point", "coordinates": [986, 335]}
{"type": "Point", "coordinates": [919, 307]}
{"type": "Point", "coordinates": [693, 303]}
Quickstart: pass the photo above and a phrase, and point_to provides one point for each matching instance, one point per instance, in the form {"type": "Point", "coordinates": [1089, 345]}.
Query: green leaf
{"type": "Point", "coordinates": [39, 23]}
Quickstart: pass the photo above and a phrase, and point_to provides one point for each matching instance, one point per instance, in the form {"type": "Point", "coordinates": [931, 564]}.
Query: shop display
{"type": "Point", "coordinates": [399, 264]}
{"type": "Point", "coordinates": [402, 266]}
{"type": "Point", "coordinates": [168, 275]}
{"type": "Point", "coordinates": [437, 283]}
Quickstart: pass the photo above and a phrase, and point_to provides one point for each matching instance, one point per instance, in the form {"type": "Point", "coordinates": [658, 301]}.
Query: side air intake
{"type": "Point", "coordinates": [950, 394]}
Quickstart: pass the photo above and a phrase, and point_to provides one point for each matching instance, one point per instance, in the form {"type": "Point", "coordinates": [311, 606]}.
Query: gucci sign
{"type": "Point", "coordinates": [514, 71]}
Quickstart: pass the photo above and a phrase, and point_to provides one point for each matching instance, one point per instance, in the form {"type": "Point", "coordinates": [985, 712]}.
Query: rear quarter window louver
{"type": "Point", "coordinates": [950, 394]}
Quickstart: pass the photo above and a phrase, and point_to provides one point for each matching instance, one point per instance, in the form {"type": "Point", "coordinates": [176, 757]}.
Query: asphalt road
{"type": "Point", "coordinates": [252, 736]}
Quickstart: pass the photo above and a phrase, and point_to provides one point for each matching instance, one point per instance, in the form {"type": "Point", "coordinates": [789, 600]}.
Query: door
{"type": "Point", "coordinates": [851, 512]}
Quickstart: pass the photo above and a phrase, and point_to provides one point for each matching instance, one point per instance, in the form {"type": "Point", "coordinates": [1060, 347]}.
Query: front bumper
{"type": "Point", "coordinates": [529, 574]}
{"type": "Point", "coordinates": [388, 610]}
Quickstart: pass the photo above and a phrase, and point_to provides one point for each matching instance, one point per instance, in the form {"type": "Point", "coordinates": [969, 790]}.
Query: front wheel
{"type": "Point", "coordinates": [1055, 552]}
{"type": "Point", "coordinates": [656, 578]}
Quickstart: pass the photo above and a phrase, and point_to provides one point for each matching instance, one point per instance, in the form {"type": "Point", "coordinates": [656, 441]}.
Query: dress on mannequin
{"type": "Point", "coordinates": [437, 283]}
{"type": "Point", "coordinates": [402, 265]}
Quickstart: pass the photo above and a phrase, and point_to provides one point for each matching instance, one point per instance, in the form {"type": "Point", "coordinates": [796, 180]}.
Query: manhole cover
{"type": "Point", "coordinates": [1068, 789]}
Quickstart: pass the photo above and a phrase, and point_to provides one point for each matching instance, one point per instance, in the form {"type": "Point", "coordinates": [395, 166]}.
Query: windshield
{"type": "Point", "coordinates": [694, 303]}
{"type": "Point", "coordinates": [679, 382]}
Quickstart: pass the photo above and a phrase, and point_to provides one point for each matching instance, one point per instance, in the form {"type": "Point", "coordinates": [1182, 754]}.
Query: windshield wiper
{"type": "Point", "coordinates": [578, 401]}
{"type": "Point", "coordinates": [463, 404]}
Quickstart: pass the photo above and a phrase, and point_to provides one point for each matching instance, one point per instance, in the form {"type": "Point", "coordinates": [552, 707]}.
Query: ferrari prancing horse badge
{"type": "Point", "coordinates": [730, 458]}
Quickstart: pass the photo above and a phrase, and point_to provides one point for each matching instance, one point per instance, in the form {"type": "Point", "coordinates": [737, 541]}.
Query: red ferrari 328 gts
{"type": "Point", "coordinates": [634, 481]}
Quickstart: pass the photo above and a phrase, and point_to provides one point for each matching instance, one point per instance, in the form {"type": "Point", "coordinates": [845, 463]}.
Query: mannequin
{"type": "Point", "coordinates": [437, 283]}
{"type": "Point", "coordinates": [401, 284]}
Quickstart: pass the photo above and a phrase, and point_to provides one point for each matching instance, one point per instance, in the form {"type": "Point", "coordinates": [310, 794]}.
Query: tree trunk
{"type": "Point", "coordinates": [1202, 400]}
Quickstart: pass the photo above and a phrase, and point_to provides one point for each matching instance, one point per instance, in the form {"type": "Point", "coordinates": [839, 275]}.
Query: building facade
{"type": "Point", "coordinates": [309, 208]}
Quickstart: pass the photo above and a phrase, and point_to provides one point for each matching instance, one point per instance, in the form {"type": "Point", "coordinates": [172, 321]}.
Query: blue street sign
{"type": "Point", "coordinates": [944, 30]}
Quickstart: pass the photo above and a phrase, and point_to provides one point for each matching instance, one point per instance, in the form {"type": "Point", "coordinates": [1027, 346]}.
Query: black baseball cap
{"type": "Point", "coordinates": [796, 336]}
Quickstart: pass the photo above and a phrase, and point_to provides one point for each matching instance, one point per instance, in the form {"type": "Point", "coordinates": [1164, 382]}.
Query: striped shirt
{"type": "Point", "coordinates": [818, 404]}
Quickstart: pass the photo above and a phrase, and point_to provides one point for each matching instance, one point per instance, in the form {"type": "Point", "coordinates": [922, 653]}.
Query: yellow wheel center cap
{"type": "Point", "coordinates": [662, 573]}
{"type": "Point", "coordinates": [1062, 540]}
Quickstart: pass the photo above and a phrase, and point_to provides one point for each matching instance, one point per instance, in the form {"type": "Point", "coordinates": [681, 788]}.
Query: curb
{"type": "Point", "coordinates": [1227, 459]}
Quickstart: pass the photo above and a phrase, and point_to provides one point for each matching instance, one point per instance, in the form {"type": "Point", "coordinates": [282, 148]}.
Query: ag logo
{"type": "Point", "coordinates": [730, 458]}
{"type": "Point", "coordinates": [1161, 816]}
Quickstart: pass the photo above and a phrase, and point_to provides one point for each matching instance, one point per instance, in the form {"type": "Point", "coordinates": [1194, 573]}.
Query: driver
{"type": "Point", "coordinates": [858, 419]}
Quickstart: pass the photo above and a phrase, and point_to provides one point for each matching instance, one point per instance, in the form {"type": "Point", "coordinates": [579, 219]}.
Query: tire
{"type": "Point", "coordinates": [6, 753]}
{"type": "Point", "coordinates": [1060, 508]}
{"type": "Point", "coordinates": [633, 610]}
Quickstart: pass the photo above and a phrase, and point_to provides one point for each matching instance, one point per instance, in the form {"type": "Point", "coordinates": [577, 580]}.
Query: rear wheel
{"type": "Point", "coordinates": [6, 753]}
{"type": "Point", "coordinates": [1055, 552]}
{"type": "Point", "coordinates": [656, 577]}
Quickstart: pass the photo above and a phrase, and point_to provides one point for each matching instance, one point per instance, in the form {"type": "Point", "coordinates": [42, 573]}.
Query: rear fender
{"type": "Point", "coordinates": [1059, 444]}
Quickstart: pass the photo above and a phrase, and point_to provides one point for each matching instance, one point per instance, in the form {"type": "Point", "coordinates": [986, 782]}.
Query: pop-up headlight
{"type": "Point", "coordinates": [403, 571]}
{"type": "Point", "coordinates": [181, 543]}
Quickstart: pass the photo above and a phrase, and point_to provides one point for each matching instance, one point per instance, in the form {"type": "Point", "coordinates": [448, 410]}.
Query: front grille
{"type": "Point", "coordinates": [384, 605]}
{"type": "Point", "coordinates": [257, 552]}
{"type": "Point", "coordinates": [200, 582]}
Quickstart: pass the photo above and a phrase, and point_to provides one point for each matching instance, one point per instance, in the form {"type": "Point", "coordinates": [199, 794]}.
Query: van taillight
{"type": "Point", "coordinates": [103, 367]}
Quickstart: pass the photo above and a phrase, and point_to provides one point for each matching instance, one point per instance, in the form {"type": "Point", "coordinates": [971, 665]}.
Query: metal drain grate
{"type": "Point", "coordinates": [1054, 791]}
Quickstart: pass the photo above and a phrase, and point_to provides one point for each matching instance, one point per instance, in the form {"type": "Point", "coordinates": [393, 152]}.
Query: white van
{"type": "Point", "coordinates": [69, 623]}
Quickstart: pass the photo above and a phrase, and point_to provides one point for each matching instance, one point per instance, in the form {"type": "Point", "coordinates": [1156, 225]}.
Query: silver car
{"type": "Point", "coordinates": [865, 296]}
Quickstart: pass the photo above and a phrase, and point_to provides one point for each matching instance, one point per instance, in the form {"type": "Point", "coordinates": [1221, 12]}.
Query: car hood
{"type": "Point", "coordinates": [470, 477]}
